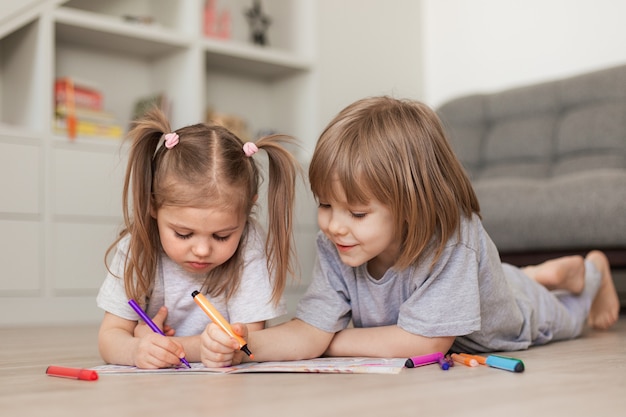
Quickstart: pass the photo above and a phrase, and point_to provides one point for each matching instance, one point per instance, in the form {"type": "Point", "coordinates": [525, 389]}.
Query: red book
{"type": "Point", "coordinates": [84, 96]}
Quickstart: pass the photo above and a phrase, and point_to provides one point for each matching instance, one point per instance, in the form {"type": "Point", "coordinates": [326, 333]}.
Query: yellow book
{"type": "Point", "coordinates": [90, 129]}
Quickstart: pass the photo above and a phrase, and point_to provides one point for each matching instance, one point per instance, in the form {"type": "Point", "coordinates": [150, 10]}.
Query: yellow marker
{"type": "Point", "coordinates": [218, 319]}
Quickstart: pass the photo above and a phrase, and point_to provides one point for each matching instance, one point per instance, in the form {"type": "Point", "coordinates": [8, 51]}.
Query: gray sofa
{"type": "Point", "coordinates": [548, 163]}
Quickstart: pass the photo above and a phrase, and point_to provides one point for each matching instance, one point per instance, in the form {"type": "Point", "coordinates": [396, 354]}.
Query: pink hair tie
{"type": "Point", "coordinates": [250, 149]}
{"type": "Point", "coordinates": [171, 140]}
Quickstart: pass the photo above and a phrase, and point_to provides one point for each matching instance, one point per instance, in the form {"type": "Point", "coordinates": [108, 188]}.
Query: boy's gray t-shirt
{"type": "Point", "coordinates": [468, 293]}
{"type": "Point", "coordinates": [173, 287]}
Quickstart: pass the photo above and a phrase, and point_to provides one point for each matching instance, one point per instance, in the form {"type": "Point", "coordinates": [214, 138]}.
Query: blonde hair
{"type": "Point", "coordinates": [396, 152]}
{"type": "Point", "coordinates": [207, 168]}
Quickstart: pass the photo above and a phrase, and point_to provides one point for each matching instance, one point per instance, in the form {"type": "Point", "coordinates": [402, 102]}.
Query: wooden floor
{"type": "Point", "coordinates": [583, 377]}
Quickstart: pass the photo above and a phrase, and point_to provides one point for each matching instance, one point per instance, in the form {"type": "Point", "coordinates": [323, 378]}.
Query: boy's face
{"type": "Point", "coordinates": [362, 234]}
{"type": "Point", "coordinates": [199, 239]}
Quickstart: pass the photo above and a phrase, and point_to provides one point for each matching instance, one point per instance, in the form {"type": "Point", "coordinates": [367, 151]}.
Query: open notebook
{"type": "Point", "coordinates": [318, 365]}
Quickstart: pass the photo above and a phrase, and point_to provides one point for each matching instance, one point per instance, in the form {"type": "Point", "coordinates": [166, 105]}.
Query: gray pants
{"type": "Point", "coordinates": [557, 315]}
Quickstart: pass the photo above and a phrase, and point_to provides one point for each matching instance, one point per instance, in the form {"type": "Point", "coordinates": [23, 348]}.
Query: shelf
{"type": "Point", "coordinates": [111, 34]}
{"type": "Point", "coordinates": [70, 196]}
{"type": "Point", "coordinates": [251, 60]}
{"type": "Point", "coordinates": [95, 144]}
{"type": "Point", "coordinates": [108, 33]}
{"type": "Point", "coordinates": [19, 135]}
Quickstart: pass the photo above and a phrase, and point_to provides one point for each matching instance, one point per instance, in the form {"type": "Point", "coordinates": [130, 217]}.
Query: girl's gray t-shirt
{"type": "Point", "coordinates": [173, 287]}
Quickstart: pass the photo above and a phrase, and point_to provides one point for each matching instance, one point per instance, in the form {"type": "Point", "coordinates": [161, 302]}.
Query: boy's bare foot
{"type": "Point", "coordinates": [605, 307]}
{"type": "Point", "coordinates": [565, 273]}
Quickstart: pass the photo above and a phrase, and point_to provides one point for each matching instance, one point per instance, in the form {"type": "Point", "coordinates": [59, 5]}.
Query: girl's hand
{"type": "Point", "coordinates": [156, 351]}
{"type": "Point", "coordinates": [142, 328]}
{"type": "Point", "coordinates": [218, 349]}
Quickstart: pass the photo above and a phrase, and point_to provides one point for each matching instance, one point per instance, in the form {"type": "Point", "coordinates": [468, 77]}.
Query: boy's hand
{"type": "Point", "coordinates": [218, 349]}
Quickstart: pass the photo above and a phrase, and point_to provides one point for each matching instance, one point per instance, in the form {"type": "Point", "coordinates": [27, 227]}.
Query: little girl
{"type": "Point", "coordinates": [188, 199]}
{"type": "Point", "coordinates": [402, 254]}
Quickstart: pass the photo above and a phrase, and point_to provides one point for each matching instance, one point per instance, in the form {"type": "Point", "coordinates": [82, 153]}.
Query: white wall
{"type": "Point", "coordinates": [488, 45]}
{"type": "Point", "coordinates": [365, 48]}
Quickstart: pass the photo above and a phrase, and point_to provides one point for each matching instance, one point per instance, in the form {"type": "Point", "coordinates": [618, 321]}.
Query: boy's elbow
{"type": "Point", "coordinates": [443, 344]}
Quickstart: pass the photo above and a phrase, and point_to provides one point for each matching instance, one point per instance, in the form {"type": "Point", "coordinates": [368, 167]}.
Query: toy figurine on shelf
{"type": "Point", "coordinates": [259, 22]}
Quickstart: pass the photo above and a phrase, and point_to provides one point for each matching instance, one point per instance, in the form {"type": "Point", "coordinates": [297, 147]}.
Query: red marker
{"type": "Point", "coordinates": [74, 373]}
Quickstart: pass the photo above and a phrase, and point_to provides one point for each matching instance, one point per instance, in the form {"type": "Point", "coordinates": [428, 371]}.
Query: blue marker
{"type": "Point", "coordinates": [502, 362]}
{"type": "Point", "coordinates": [445, 363]}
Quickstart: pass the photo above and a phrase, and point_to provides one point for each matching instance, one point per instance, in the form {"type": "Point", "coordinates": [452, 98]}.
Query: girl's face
{"type": "Point", "coordinates": [199, 239]}
{"type": "Point", "coordinates": [361, 234]}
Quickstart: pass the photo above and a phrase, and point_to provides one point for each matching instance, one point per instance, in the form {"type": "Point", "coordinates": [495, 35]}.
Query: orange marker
{"type": "Point", "coordinates": [480, 359]}
{"type": "Point", "coordinates": [496, 361]}
{"type": "Point", "coordinates": [465, 361]}
{"type": "Point", "coordinates": [218, 319]}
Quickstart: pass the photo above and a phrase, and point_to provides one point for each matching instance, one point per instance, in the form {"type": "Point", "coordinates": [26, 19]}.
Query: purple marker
{"type": "Point", "coordinates": [151, 324]}
{"type": "Point", "coordinates": [445, 363]}
{"type": "Point", "coordinates": [416, 361]}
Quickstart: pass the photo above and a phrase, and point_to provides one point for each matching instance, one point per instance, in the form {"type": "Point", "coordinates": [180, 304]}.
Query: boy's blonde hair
{"type": "Point", "coordinates": [207, 168]}
{"type": "Point", "coordinates": [396, 152]}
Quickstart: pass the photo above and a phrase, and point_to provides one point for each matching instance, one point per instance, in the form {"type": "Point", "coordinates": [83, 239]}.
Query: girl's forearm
{"type": "Point", "coordinates": [117, 346]}
{"type": "Point", "coordinates": [385, 341]}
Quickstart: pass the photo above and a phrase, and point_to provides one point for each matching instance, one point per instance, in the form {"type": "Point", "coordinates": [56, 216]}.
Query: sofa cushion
{"type": "Point", "coordinates": [466, 125]}
{"type": "Point", "coordinates": [547, 161]}
{"type": "Point", "coordinates": [518, 148]}
{"type": "Point", "coordinates": [584, 209]}
{"type": "Point", "coordinates": [591, 137]}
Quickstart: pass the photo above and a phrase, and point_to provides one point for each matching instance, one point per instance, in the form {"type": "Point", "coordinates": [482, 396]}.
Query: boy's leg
{"type": "Point", "coordinates": [605, 307]}
{"type": "Point", "coordinates": [565, 273]}
{"type": "Point", "coordinates": [554, 315]}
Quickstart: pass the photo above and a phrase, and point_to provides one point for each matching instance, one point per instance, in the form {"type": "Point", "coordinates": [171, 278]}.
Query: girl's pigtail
{"type": "Point", "coordinates": [283, 170]}
{"type": "Point", "coordinates": [140, 267]}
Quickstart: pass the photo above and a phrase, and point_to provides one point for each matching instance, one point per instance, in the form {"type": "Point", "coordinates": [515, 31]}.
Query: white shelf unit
{"type": "Point", "coordinates": [61, 199]}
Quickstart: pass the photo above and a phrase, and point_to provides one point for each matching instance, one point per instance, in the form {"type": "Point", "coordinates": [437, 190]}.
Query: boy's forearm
{"type": "Point", "coordinates": [293, 340]}
{"type": "Point", "coordinates": [386, 342]}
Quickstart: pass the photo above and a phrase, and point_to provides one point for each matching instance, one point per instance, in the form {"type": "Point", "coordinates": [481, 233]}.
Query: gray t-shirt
{"type": "Point", "coordinates": [173, 287]}
{"type": "Point", "coordinates": [468, 293]}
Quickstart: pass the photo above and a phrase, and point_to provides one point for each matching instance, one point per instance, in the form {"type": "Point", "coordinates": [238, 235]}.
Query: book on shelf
{"type": "Point", "coordinates": [82, 93]}
{"type": "Point", "coordinates": [78, 111]}
{"type": "Point", "coordinates": [61, 110]}
{"type": "Point", "coordinates": [92, 129]}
